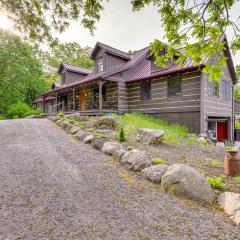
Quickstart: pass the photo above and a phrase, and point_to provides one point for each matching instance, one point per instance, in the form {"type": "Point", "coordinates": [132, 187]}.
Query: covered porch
{"type": "Point", "coordinates": [96, 97]}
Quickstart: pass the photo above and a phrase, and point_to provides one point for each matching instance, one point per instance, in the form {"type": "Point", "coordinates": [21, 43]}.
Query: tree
{"type": "Point", "coordinates": [70, 52]}
{"type": "Point", "coordinates": [21, 75]}
{"type": "Point", "coordinates": [184, 22]}
{"type": "Point", "coordinates": [204, 22]}
{"type": "Point", "coordinates": [38, 19]}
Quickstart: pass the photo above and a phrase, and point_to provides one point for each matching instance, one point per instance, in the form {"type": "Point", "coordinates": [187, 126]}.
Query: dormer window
{"type": "Point", "coordinates": [99, 64]}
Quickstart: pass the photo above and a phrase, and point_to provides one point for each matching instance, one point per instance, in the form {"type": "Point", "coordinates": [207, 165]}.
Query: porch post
{"type": "Point", "coordinates": [74, 103]}
{"type": "Point", "coordinates": [100, 83]}
{"type": "Point", "coordinates": [43, 106]}
{"type": "Point", "coordinates": [56, 102]}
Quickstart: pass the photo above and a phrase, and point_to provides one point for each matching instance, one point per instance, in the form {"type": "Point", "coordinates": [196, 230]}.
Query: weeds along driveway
{"type": "Point", "coordinates": [53, 187]}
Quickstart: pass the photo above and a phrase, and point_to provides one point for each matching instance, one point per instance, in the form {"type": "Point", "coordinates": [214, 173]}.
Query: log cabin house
{"type": "Point", "coordinates": [122, 82]}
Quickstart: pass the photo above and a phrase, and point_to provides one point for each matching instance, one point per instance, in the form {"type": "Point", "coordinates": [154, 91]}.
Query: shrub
{"type": "Point", "coordinates": [21, 110]}
{"type": "Point", "coordinates": [158, 161]}
{"type": "Point", "coordinates": [217, 183]}
{"type": "Point", "coordinates": [237, 179]}
{"type": "Point", "coordinates": [2, 117]}
{"type": "Point", "coordinates": [237, 124]}
{"type": "Point", "coordinates": [121, 136]}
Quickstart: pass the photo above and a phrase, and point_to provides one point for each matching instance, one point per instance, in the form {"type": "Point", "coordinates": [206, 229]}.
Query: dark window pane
{"type": "Point", "coordinates": [174, 86]}
{"type": "Point", "coordinates": [213, 89]}
{"type": "Point", "coordinates": [145, 90]}
{"type": "Point", "coordinates": [63, 77]}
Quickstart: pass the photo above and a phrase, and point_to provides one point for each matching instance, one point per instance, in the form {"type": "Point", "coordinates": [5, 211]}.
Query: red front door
{"type": "Point", "coordinates": [222, 130]}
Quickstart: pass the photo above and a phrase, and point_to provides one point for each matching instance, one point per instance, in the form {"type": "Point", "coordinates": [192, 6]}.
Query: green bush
{"type": "Point", "coordinates": [192, 140]}
{"type": "Point", "coordinates": [121, 136]}
{"type": "Point", "coordinates": [237, 179]}
{"type": "Point", "coordinates": [217, 183]}
{"type": "Point", "coordinates": [2, 117]}
{"type": "Point", "coordinates": [60, 114]}
{"type": "Point", "coordinates": [237, 124]}
{"type": "Point", "coordinates": [21, 110]}
{"type": "Point", "coordinates": [158, 161]}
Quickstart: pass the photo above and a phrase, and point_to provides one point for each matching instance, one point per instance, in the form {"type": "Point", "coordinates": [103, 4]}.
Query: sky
{"type": "Point", "coordinates": [121, 28]}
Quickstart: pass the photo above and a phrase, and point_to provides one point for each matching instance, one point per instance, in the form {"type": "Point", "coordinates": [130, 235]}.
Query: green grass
{"type": "Point", "coordinates": [217, 183]}
{"type": "Point", "coordinates": [157, 161]}
{"type": "Point", "coordinates": [214, 162]}
{"type": "Point", "coordinates": [237, 124]}
{"type": "Point", "coordinates": [129, 148]}
{"type": "Point", "coordinates": [192, 140]}
{"type": "Point", "coordinates": [174, 133]}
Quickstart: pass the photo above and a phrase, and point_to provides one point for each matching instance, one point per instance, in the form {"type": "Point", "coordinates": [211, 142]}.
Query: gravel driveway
{"type": "Point", "coordinates": [53, 187]}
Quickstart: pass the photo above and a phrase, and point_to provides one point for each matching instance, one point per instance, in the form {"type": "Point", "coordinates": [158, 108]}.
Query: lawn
{"type": "Point", "coordinates": [174, 133]}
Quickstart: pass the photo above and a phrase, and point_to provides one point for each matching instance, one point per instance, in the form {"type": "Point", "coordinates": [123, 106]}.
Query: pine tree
{"type": "Point", "coordinates": [121, 136]}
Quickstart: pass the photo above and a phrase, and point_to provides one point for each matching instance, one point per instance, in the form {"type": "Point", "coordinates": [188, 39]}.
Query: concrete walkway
{"type": "Point", "coordinates": [53, 187]}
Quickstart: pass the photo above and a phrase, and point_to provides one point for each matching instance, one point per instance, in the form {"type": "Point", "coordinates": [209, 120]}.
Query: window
{"type": "Point", "coordinates": [225, 90]}
{"type": "Point", "coordinates": [213, 89]}
{"type": "Point", "coordinates": [174, 86]}
{"type": "Point", "coordinates": [99, 64]}
{"type": "Point", "coordinates": [63, 77]}
{"type": "Point", "coordinates": [145, 91]}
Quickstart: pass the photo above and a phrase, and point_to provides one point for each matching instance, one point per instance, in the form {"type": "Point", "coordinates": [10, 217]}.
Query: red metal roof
{"type": "Point", "coordinates": [73, 68]}
{"type": "Point", "coordinates": [40, 99]}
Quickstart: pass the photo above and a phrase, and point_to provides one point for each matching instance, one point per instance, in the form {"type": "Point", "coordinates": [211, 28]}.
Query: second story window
{"type": "Point", "coordinates": [63, 77]}
{"type": "Point", "coordinates": [213, 89]}
{"type": "Point", "coordinates": [225, 89]}
{"type": "Point", "coordinates": [145, 91]}
{"type": "Point", "coordinates": [174, 86]}
{"type": "Point", "coordinates": [99, 64]}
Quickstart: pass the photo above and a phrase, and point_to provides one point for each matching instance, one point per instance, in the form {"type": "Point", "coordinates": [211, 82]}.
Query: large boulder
{"type": "Point", "coordinates": [187, 182]}
{"type": "Point", "coordinates": [106, 123]}
{"type": "Point", "coordinates": [63, 124]}
{"type": "Point", "coordinates": [150, 136]}
{"type": "Point", "coordinates": [155, 172]}
{"type": "Point", "coordinates": [68, 127]}
{"type": "Point", "coordinates": [230, 202]}
{"type": "Point", "coordinates": [98, 142]}
{"type": "Point", "coordinates": [136, 160]}
{"type": "Point", "coordinates": [75, 129]}
{"type": "Point", "coordinates": [110, 148]}
{"type": "Point", "coordinates": [107, 133]}
{"type": "Point", "coordinates": [81, 135]}
{"type": "Point", "coordinates": [88, 139]}
{"type": "Point", "coordinates": [119, 154]}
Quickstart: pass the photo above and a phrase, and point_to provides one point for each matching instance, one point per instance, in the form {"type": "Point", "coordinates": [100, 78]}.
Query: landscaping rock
{"type": "Point", "coordinates": [155, 172]}
{"type": "Point", "coordinates": [201, 139]}
{"type": "Point", "coordinates": [58, 121]}
{"type": "Point", "coordinates": [63, 124]}
{"type": "Point", "coordinates": [187, 182]}
{"type": "Point", "coordinates": [150, 136]}
{"type": "Point", "coordinates": [119, 154]}
{"type": "Point", "coordinates": [68, 127]}
{"type": "Point", "coordinates": [88, 139]}
{"type": "Point", "coordinates": [72, 115]}
{"type": "Point", "coordinates": [75, 129]}
{"type": "Point", "coordinates": [97, 143]}
{"type": "Point", "coordinates": [230, 202]}
{"type": "Point", "coordinates": [106, 122]}
{"type": "Point", "coordinates": [110, 148]}
{"type": "Point", "coordinates": [81, 135]}
{"type": "Point", "coordinates": [136, 160]}
{"type": "Point", "coordinates": [107, 133]}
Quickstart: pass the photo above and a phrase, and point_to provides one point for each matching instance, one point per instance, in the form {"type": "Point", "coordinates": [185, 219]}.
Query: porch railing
{"type": "Point", "coordinates": [54, 109]}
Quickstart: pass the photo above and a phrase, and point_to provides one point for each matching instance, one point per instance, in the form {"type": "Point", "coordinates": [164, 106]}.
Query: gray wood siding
{"type": "Point", "coordinates": [169, 107]}
{"type": "Point", "coordinates": [215, 106]}
{"type": "Point", "coordinates": [72, 77]}
{"type": "Point", "coordinates": [112, 62]}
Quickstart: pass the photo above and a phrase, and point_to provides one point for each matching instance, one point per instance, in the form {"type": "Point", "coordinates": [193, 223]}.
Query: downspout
{"type": "Point", "coordinates": [233, 114]}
